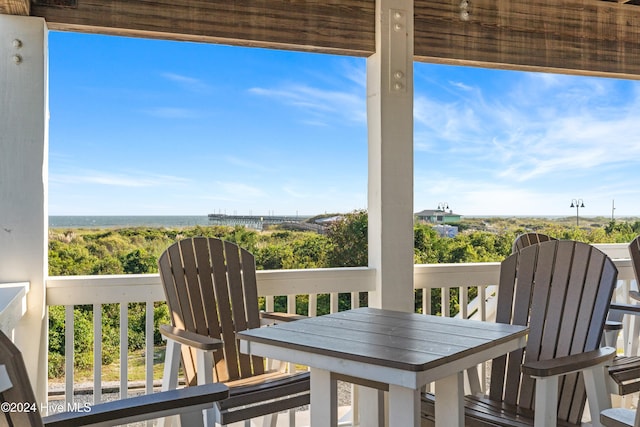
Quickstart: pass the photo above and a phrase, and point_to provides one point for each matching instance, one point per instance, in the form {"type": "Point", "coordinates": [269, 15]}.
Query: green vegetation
{"type": "Point", "coordinates": [136, 250]}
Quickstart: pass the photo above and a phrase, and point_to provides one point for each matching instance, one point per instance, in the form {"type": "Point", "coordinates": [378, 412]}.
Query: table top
{"type": "Point", "coordinates": [408, 341]}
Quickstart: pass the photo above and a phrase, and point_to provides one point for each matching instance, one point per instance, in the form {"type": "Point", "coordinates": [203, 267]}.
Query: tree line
{"type": "Point", "coordinates": [136, 250]}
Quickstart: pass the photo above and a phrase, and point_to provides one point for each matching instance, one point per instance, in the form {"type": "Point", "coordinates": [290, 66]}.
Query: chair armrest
{"type": "Point", "coordinates": [625, 308]}
{"type": "Point", "coordinates": [568, 364]}
{"type": "Point", "coordinates": [200, 342]}
{"type": "Point", "coordinates": [616, 417]}
{"type": "Point", "coordinates": [142, 408]}
{"type": "Point", "coordinates": [281, 317]}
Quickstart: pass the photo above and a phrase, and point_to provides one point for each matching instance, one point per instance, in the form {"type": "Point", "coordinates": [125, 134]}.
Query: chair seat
{"type": "Point", "coordinates": [274, 391]}
{"type": "Point", "coordinates": [625, 371]}
{"type": "Point", "coordinates": [480, 411]}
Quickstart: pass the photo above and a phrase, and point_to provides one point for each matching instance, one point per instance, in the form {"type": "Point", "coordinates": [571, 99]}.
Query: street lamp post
{"type": "Point", "coordinates": [577, 203]}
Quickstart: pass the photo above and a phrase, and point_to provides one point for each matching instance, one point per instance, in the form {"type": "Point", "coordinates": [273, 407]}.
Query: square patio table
{"type": "Point", "coordinates": [403, 351]}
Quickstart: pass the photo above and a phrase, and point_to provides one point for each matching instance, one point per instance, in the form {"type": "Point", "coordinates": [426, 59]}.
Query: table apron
{"type": "Point", "coordinates": [374, 372]}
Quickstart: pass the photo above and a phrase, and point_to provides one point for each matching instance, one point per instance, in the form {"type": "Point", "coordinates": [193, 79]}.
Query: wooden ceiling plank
{"type": "Point", "coordinates": [331, 26]}
{"type": "Point", "coordinates": [571, 36]}
{"type": "Point", "coordinates": [591, 37]}
{"type": "Point", "coordinates": [14, 7]}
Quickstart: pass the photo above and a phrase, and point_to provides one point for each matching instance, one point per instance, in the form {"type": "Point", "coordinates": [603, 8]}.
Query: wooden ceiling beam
{"type": "Point", "coordinates": [329, 26]}
{"type": "Point", "coordinates": [588, 37]}
{"type": "Point", "coordinates": [591, 37]}
{"type": "Point", "coordinates": [14, 7]}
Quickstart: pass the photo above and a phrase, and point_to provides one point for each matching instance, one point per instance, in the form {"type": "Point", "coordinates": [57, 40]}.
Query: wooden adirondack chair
{"type": "Point", "coordinates": [211, 291]}
{"type": "Point", "coordinates": [20, 409]}
{"type": "Point", "coordinates": [625, 371]}
{"type": "Point", "coordinates": [562, 290]}
{"type": "Point", "coordinates": [613, 326]}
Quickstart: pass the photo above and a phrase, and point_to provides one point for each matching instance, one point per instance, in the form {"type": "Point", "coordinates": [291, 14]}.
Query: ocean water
{"type": "Point", "coordinates": [126, 221]}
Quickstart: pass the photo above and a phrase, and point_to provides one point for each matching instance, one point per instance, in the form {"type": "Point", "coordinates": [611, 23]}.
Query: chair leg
{"type": "Point", "coordinates": [170, 375]}
{"type": "Point", "coordinates": [193, 418]}
{"type": "Point", "coordinates": [599, 399]}
{"type": "Point", "coordinates": [204, 369]}
{"type": "Point", "coordinates": [270, 420]}
{"type": "Point", "coordinates": [546, 402]}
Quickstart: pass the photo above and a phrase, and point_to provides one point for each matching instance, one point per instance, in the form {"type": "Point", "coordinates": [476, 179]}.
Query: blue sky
{"type": "Point", "coordinates": [147, 127]}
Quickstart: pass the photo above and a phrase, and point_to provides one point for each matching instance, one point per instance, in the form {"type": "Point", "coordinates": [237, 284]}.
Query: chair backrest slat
{"type": "Point", "coordinates": [236, 292]}
{"type": "Point", "coordinates": [195, 309]}
{"type": "Point", "coordinates": [250, 287]}
{"type": "Point", "coordinates": [561, 289]}
{"type": "Point", "coordinates": [211, 289]}
{"type": "Point", "coordinates": [528, 239]}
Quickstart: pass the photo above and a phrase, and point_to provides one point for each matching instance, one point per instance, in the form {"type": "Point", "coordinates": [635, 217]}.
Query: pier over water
{"type": "Point", "coordinates": [257, 222]}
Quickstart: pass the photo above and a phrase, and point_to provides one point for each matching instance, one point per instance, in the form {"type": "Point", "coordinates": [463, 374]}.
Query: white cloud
{"type": "Point", "coordinates": [117, 180]}
{"type": "Point", "coordinates": [322, 104]}
{"type": "Point", "coordinates": [248, 164]}
{"type": "Point", "coordinates": [173, 113]}
{"type": "Point", "coordinates": [189, 83]}
{"type": "Point", "coordinates": [571, 128]}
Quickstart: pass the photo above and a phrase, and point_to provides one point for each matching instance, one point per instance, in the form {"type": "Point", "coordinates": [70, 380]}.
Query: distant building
{"type": "Point", "coordinates": [437, 216]}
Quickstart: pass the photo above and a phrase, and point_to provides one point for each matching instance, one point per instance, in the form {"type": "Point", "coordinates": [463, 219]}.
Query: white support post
{"type": "Point", "coordinates": [170, 376]}
{"type": "Point", "coordinates": [450, 400]}
{"type": "Point", "coordinates": [324, 406]}
{"type": "Point", "coordinates": [204, 363]}
{"type": "Point", "coordinates": [390, 125]}
{"type": "Point", "coordinates": [595, 382]}
{"type": "Point", "coordinates": [546, 402]}
{"type": "Point", "coordinates": [404, 406]}
{"type": "Point", "coordinates": [23, 181]}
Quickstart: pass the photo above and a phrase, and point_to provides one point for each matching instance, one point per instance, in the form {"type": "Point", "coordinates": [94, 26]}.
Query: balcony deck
{"type": "Point", "coordinates": [123, 289]}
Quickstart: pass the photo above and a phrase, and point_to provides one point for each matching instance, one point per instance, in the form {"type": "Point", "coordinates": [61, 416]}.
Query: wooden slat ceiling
{"type": "Point", "coordinates": [592, 37]}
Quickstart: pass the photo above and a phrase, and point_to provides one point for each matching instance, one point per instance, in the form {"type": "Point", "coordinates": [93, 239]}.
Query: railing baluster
{"type": "Point", "coordinates": [268, 303]}
{"type": "Point", "coordinates": [313, 305]}
{"type": "Point", "coordinates": [444, 304]}
{"type": "Point", "coordinates": [482, 299]}
{"type": "Point", "coordinates": [291, 304]}
{"type": "Point", "coordinates": [333, 302]}
{"type": "Point", "coordinates": [355, 299]}
{"type": "Point", "coordinates": [97, 353]}
{"type": "Point", "coordinates": [69, 354]}
{"type": "Point", "coordinates": [124, 349]}
{"type": "Point", "coordinates": [463, 300]}
{"type": "Point", "coordinates": [149, 349]}
{"type": "Point", "coordinates": [426, 301]}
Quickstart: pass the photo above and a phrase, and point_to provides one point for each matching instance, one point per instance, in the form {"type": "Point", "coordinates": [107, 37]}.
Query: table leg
{"type": "Point", "coordinates": [371, 407]}
{"type": "Point", "coordinates": [324, 399]}
{"type": "Point", "coordinates": [404, 406]}
{"type": "Point", "coordinates": [450, 401]}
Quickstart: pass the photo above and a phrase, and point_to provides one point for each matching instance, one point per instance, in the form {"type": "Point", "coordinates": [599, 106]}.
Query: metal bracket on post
{"type": "Point", "coordinates": [398, 39]}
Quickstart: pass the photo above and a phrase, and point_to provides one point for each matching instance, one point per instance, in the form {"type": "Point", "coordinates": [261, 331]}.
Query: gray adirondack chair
{"type": "Point", "coordinates": [562, 290]}
{"type": "Point", "coordinates": [210, 285]}
{"type": "Point", "coordinates": [625, 371]}
{"type": "Point", "coordinates": [20, 408]}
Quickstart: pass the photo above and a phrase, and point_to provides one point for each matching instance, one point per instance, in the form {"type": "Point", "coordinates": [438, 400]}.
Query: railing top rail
{"type": "Point", "coordinates": [104, 289]}
{"type": "Point", "coordinates": [13, 304]}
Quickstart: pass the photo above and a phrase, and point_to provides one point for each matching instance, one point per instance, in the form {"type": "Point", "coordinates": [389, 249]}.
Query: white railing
{"type": "Point", "coordinates": [13, 305]}
{"type": "Point", "coordinates": [123, 289]}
